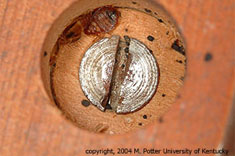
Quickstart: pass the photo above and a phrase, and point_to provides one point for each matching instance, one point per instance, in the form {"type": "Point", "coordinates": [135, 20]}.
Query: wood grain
{"type": "Point", "coordinates": [63, 79]}
{"type": "Point", "coordinates": [30, 126]}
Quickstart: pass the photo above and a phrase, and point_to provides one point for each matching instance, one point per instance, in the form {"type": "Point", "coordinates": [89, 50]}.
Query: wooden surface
{"type": "Point", "coordinates": [29, 125]}
{"type": "Point", "coordinates": [65, 75]}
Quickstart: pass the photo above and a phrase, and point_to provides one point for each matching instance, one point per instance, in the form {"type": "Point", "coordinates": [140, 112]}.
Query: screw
{"type": "Point", "coordinates": [109, 77]}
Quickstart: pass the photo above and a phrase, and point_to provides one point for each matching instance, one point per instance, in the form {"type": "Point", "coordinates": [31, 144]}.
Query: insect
{"type": "Point", "coordinates": [100, 20]}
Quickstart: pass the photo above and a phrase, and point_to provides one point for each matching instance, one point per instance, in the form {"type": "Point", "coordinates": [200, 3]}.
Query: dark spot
{"type": "Point", "coordinates": [127, 55]}
{"type": "Point", "coordinates": [145, 116]}
{"type": "Point", "coordinates": [52, 60]}
{"type": "Point", "coordinates": [147, 10]}
{"type": "Point", "coordinates": [177, 47]}
{"type": "Point", "coordinates": [150, 51]}
{"type": "Point", "coordinates": [70, 34]}
{"type": "Point", "coordinates": [123, 66]}
{"type": "Point", "coordinates": [108, 106]}
{"type": "Point", "coordinates": [140, 124]}
{"type": "Point", "coordinates": [126, 50]}
{"type": "Point", "coordinates": [208, 57]}
{"type": "Point", "coordinates": [45, 53]}
{"type": "Point", "coordinates": [55, 100]}
{"type": "Point", "coordinates": [155, 13]}
{"type": "Point", "coordinates": [126, 30]}
{"type": "Point", "coordinates": [54, 65]}
{"type": "Point", "coordinates": [150, 38]}
{"type": "Point", "coordinates": [179, 61]}
{"type": "Point", "coordinates": [160, 20]}
{"type": "Point", "coordinates": [160, 120]}
{"type": "Point", "coordinates": [68, 28]}
{"type": "Point", "coordinates": [182, 78]}
{"type": "Point", "coordinates": [163, 95]}
{"type": "Point", "coordinates": [104, 129]}
{"type": "Point", "coordinates": [134, 3]}
{"type": "Point", "coordinates": [127, 38]}
{"type": "Point", "coordinates": [85, 103]}
{"type": "Point", "coordinates": [119, 49]}
{"type": "Point", "coordinates": [167, 33]}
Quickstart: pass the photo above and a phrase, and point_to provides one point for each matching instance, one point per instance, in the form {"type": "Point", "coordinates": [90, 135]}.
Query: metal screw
{"type": "Point", "coordinates": [121, 72]}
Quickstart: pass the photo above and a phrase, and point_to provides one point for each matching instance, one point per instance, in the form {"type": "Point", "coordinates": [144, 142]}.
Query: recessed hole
{"type": "Point", "coordinates": [73, 33]}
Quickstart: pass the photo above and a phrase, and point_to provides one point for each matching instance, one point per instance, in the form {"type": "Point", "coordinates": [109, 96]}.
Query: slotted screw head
{"type": "Point", "coordinates": [120, 72]}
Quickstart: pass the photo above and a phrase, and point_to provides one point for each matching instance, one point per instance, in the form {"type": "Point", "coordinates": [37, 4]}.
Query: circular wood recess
{"type": "Point", "coordinates": [143, 21]}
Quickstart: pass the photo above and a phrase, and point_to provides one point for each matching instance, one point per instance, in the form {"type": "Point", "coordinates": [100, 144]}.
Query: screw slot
{"type": "Point", "coordinates": [128, 83]}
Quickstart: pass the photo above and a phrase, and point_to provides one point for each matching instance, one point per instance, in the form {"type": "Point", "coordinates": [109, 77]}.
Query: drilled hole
{"type": "Point", "coordinates": [77, 30]}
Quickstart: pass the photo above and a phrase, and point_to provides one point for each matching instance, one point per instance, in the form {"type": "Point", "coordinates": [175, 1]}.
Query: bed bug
{"type": "Point", "coordinates": [100, 20]}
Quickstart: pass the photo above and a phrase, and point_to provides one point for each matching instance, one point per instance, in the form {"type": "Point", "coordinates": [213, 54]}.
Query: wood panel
{"type": "Point", "coordinates": [30, 126]}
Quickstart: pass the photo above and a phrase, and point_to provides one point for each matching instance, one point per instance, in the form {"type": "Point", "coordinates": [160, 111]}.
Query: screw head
{"type": "Point", "coordinates": [124, 79]}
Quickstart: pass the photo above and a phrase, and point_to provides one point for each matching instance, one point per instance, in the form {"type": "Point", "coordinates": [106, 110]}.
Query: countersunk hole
{"type": "Point", "coordinates": [80, 108]}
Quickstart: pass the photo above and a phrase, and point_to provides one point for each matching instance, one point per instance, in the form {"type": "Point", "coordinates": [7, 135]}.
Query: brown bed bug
{"type": "Point", "coordinates": [100, 20]}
